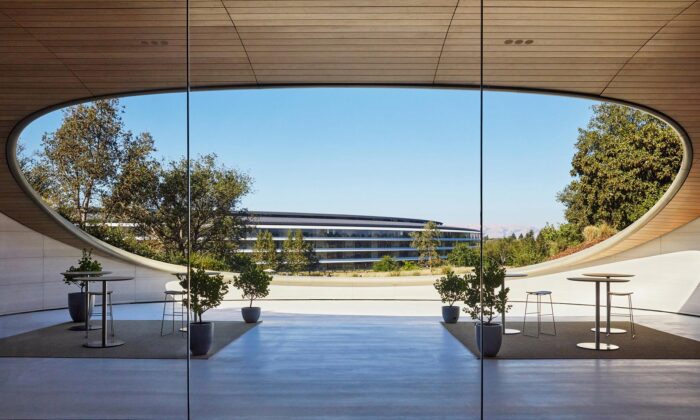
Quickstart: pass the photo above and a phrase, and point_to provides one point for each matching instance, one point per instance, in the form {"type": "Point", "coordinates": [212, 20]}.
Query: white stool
{"type": "Point", "coordinates": [629, 313]}
{"type": "Point", "coordinates": [99, 313]}
{"type": "Point", "coordinates": [174, 293]}
{"type": "Point", "coordinates": [538, 294]}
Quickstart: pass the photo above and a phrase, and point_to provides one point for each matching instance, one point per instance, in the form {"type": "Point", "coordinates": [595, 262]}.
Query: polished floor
{"type": "Point", "coordinates": [344, 366]}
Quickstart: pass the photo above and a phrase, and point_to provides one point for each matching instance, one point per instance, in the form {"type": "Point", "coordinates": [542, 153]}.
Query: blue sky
{"type": "Point", "coordinates": [377, 151]}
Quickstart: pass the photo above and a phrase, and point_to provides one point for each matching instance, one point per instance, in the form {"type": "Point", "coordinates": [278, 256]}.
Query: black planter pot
{"type": "Point", "coordinates": [201, 337]}
{"type": "Point", "coordinates": [250, 315]}
{"type": "Point", "coordinates": [76, 306]}
{"type": "Point", "coordinates": [492, 338]}
{"type": "Point", "coordinates": [450, 314]}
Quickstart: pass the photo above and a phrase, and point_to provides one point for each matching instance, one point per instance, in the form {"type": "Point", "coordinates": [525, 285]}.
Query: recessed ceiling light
{"type": "Point", "coordinates": [155, 43]}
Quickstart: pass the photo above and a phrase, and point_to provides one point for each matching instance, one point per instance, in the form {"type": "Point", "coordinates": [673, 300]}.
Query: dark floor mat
{"type": "Point", "coordinates": [648, 344]}
{"type": "Point", "coordinates": [143, 341]}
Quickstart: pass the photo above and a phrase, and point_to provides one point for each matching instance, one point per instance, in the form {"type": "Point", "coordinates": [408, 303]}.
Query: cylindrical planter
{"type": "Point", "coordinates": [450, 314]}
{"type": "Point", "coordinates": [201, 337]}
{"type": "Point", "coordinates": [76, 306]}
{"type": "Point", "coordinates": [250, 314]}
{"type": "Point", "coordinates": [492, 338]}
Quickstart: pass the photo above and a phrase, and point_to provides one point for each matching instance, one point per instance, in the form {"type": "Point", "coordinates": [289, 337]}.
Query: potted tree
{"type": "Point", "coordinates": [76, 300]}
{"type": "Point", "coordinates": [206, 292]}
{"type": "Point", "coordinates": [492, 304]}
{"type": "Point", "coordinates": [254, 283]}
{"type": "Point", "coordinates": [451, 288]}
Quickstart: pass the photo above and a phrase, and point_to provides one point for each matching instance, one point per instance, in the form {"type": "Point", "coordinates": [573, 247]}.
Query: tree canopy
{"type": "Point", "coordinates": [426, 242]}
{"type": "Point", "coordinates": [94, 172]}
{"type": "Point", "coordinates": [86, 159]}
{"type": "Point", "coordinates": [297, 253]}
{"type": "Point", "coordinates": [265, 251]}
{"type": "Point", "coordinates": [624, 162]}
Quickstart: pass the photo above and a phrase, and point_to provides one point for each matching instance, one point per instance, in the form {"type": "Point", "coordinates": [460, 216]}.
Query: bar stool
{"type": "Point", "coordinates": [99, 313]}
{"type": "Point", "coordinates": [174, 294]}
{"type": "Point", "coordinates": [629, 313]}
{"type": "Point", "coordinates": [538, 294]}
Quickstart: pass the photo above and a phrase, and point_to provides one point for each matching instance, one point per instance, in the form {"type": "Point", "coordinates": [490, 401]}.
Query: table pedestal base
{"type": "Point", "coordinates": [82, 327]}
{"type": "Point", "coordinates": [612, 330]}
{"type": "Point", "coordinates": [97, 344]}
{"type": "Point", "coordinates": [511, 331]}
{"type": "Point", "coordinates": [603, 346]}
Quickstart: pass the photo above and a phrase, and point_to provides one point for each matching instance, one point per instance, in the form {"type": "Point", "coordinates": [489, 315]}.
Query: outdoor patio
{"type": "Point", "coordinates": [352, 361]}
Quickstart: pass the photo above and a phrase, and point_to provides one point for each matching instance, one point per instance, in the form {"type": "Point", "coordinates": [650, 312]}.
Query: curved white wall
{"type": "Point", "coordinates": [30, 264]}
{"type": "Point", "coordinates": [667, 276]}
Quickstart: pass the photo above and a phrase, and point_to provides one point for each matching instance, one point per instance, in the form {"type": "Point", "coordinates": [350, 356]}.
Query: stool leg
{"type": "Point", "coordinates": [172, 315]}
{"type": "Point", "coordinates": [527, 299]}
{"type": "Point", "coordinates": [551, 307]}
{"type": "Point", "coordinates": [162, 320]}
{"type": "Point", "coordinates": [182, 316]}
{"type": "Point", "coordinates": [539, 315]}
{"type": "Point", "coordinates": [632, 330]}
{"type": "Point", "coordinates": [111, 316]}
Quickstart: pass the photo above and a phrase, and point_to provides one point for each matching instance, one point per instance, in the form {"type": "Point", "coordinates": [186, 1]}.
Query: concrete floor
{"type": "Point", "coordinates": [345, 366]}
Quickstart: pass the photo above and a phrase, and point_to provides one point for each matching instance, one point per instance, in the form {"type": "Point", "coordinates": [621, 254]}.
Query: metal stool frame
{"type": "Point", "coordinates": [109, 312]}
{"type": "Point", "coordinates": [539, 295]}
{"type": "Point", "coordinates": [629, 314]}
{"type": "Point", "coordinates": [171, 297]}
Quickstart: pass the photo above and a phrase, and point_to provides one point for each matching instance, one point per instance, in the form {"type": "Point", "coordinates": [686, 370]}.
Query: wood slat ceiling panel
{"type": "Point", "coordinates": [636, 50]}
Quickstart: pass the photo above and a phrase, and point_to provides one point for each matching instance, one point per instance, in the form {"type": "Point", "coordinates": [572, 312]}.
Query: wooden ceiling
{"type": "Point", "coordinates": [53, 51]}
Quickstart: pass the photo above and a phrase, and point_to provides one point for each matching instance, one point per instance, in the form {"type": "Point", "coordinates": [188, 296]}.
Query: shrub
{"type": "Point", "coordinates": [591, 233]}
{"type": "Point", "coordinates": [85, 263]}
{"type": "Point", "coordinates": [493, 302]}
{"type": "Point", "coordinates": [451, 287]}
{"type": "Point", "coordinates": [463, 255]}
{"type": "Point", "coordinates": [253, 282]}
{"type": "Point", "coordinates": [409, 266]}
{"type": "Point", "coordinates": [387, 263]}
{"type": "Point", "coordinates": [606, 230]}
{"type": "Point", "coordinates": [206, 291]}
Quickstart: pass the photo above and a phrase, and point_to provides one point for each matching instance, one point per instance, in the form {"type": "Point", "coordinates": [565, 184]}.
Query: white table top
{"type": "Point", "coordinates": [209, 273]}
{"type": "Point", "coordinates": [85, 273]}
{"type": "Point", "coordinates": [598, 279]}
{"type": "Point", "coordinates": [607, 275]}
{"type": "Point", "coordinates": [105, 278]}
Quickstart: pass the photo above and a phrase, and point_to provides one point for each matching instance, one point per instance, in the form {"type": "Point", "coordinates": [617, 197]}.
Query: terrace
{"type": "Point", "coordinates": [345, 346]}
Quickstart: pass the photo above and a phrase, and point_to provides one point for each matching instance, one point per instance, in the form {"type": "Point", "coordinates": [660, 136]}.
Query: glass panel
{"type": "Point", "coordinates": [353, 300]}
{"type": "Point", "coordinates": [98, 170]}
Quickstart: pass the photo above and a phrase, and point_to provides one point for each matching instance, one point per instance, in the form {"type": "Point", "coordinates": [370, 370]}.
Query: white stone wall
{"type": "Point", "coordinates": [30, 264]}
{"type": "Point", "coordinates": [667, 276]}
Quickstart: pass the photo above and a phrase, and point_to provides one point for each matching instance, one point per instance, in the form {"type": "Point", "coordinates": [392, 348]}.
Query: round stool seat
{"type": "Point", "coordinates": [540, 293]}
{"type": "Point", "coordinates": [621, 293]}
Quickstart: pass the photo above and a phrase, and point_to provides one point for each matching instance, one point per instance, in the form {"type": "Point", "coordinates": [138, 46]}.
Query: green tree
{"type": "Point", "coordinates": [206, 291]}
{"type": "Point", "coordinates": [451, 287]}
{"type": "Point", "coordinates": [217, 220]}
{"type": "Point", "coordinates": [493, 302]}
{"type": "Point", "coordinates": [36, 174]}
{"type": "Point", "coordinates": [264, 251]}
{"type": "Point", "coordinates": [426, 242]}
{"type": "Point", "coordinates": [463, 255]}
{"type": "Point", "coordinates": [386, 263]}
{"type": "Point", "coordinates": [253, 282]}
{"type": "Point", "coordinates": [624, 162]}
{"type": "Point", "coordinates": [82, 162]}
{"type": "Point", "coordinates": [298, 254]}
